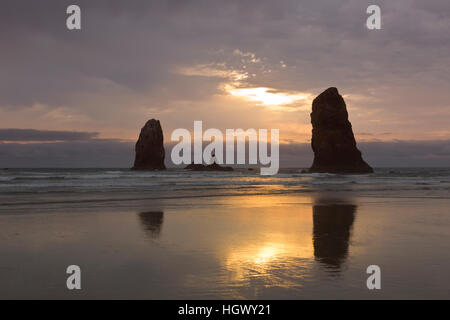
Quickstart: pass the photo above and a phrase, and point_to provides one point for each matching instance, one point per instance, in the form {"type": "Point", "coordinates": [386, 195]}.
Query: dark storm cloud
{"type": "Point", "coordinates": [44, 135]}
{"type": "Point", "coordinates": [133, 44]}
{"type": "Point", "coordinates": [407, 153]}
{"type": "Point", "coordinates": [98, 153]}
{"type": "Point", "coordinates": [379, 154]}
{"type": "Point", "coordinates": [120, 67]}
{"type": "Point", "coordinates": [69, 154]}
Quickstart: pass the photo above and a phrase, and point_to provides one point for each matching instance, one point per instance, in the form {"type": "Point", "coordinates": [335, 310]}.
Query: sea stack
{"type": "Point", "coordinates": [333, 142]}
{"type": "Point", "coordinates": [150, 147]}
{"type": "Point", "coordinates": [209, 167]}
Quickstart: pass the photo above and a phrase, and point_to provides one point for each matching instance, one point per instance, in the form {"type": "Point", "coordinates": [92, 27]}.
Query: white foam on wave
{"type": "Point", "coordinates": [315, 175]}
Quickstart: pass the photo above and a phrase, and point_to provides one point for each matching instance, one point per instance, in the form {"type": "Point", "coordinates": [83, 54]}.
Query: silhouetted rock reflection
{"type": "Point", "coordinates": [152, 222]}
{"type": "Point", "coordinates": [332, 224]}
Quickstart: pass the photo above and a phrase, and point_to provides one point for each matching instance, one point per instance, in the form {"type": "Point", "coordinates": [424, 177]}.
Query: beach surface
{"type": "Point", "coordinates": [185, 235]}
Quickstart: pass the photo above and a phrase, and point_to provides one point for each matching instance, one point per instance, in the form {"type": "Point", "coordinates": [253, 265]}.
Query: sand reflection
{"type": "Point", "coordinates": [332, 226]}
{"type": "Point", "coordinates": [282, 245]}
{"type": "Point", "coordinates": [272, 246]}
{"type": "Point", "coordinates": [152, 222]}
{"type": "Point", "coordinates": [259, 241]}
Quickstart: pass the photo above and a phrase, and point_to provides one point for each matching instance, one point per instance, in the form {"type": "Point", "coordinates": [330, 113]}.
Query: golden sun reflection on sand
{"type": "Point", "coordinates": [276, 240]}
{"type": "Point", "coordinates": [268, 242]}
{"type": "Point", "coordinates": [265, 259]}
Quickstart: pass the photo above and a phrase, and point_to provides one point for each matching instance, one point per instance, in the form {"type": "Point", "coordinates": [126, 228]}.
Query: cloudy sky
{"type": "Point", "coordinates": [70, 98]}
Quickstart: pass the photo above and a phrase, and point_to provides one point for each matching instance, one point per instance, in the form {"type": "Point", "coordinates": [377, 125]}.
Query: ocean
{"type": "Point", "coordinates": [179, 234]}
{"type": "Point", "coordinates": [22, 186]}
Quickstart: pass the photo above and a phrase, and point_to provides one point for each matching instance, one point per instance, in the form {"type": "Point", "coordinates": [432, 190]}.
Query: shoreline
{"type": "Point", "coordinates": [249, 247]}
{"type": "Point", "coordinates": [137, 202]}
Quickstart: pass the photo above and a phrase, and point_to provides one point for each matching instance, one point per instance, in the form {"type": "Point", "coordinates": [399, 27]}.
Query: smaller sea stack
{"type": "Point", "coordinates": [333, 142]}
{"type": "Point", "coordinates": [150, 147]}
{"type": "Point", "coordinates": [210, 167]}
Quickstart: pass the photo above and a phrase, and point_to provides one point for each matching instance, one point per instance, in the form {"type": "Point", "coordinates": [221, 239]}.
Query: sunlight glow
{"type": "Point", "coordinates": [266, 96]}
{"type": "Point", "coordinates": [261, 260]}
{"type": "Point", "coordinates": [266, 254]}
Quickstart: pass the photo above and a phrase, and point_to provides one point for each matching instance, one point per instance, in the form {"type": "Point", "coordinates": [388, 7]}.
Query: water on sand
{"type": "Point", "coordinates": [227, 235]}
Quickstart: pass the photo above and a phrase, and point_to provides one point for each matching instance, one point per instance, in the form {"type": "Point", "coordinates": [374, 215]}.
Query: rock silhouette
{"type": "Point", "coordinates": [210, 167]}
{"type": "Point", "coordinates": [332, 225]}
{"type": "Point", "coordinates": [152, 222]}
{"type": "Point", "coordinates": [333, 141]}
{"type": "Point", "coordinates": [150, 148]}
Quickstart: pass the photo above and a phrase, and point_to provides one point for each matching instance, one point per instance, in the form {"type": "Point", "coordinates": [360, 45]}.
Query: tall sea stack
{"type": "Point", "coordinates": [150, 148]}
{"type": "Point", "coordinates": [333, 141]}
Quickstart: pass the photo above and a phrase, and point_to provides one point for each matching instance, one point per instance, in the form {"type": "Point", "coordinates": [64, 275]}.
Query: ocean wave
{"type": "Point", "coordinates": [38, 178]}
{"type": "Point", "coordinates": [92, 180]}
{"type": "Point", "coordinates": [315, 175]}
{"type": "Point", "coordinates": [186, 185]}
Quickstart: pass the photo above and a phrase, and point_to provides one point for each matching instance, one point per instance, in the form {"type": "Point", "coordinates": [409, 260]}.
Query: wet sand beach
{"type": "Point", "coordinates": [267, 246]}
